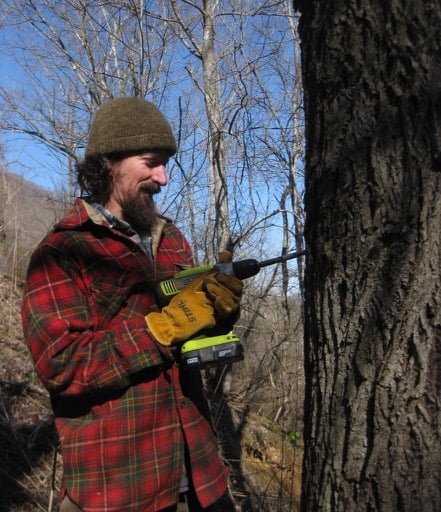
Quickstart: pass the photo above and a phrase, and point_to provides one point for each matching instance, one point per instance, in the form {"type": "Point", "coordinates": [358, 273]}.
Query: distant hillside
{"type": "Point", "coordinates": [27, 212]}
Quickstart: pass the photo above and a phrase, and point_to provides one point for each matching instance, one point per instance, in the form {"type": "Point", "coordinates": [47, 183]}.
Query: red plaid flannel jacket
{"type": "Point", "coordinates": [124, 410]}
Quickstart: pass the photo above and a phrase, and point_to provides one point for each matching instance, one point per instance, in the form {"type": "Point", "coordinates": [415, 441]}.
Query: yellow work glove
{"type": "Point", "coordinates": [225, 292]}
{"type": "Point", "coordinates": [188, 312]}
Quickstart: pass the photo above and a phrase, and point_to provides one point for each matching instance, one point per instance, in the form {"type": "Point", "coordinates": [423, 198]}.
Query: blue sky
{"type": "Point", "coordinates": [23, 155]}
{"type": "Point", "coordinates": [33, 161]}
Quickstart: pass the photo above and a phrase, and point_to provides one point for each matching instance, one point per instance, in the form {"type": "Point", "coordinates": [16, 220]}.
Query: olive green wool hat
{"type": "Point", "coordinates": [124, 125]}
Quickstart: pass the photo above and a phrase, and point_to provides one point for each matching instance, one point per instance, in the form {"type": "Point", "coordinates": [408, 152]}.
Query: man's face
{"type": "Point", "coordinates": [134, 181]}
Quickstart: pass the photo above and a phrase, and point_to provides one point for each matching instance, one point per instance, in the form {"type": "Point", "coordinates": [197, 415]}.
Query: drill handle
{"type": "Point", "coordinates": [167, 289]}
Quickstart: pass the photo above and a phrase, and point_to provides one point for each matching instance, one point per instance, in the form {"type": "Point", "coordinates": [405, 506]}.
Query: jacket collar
{"type": "Point", "coordinates": [82, 212]}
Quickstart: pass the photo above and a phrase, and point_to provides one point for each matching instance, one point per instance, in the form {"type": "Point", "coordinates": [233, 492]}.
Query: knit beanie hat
{"type": "Point", "coordinates": [123, 125]}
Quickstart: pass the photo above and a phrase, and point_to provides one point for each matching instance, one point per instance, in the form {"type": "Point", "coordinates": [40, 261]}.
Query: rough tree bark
{"type": "Point", "coordinates": [372, 82]}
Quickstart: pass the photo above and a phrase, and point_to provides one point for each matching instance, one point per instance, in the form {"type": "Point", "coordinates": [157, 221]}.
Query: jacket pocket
{"type": "Point", "coordinates": [107, 300]}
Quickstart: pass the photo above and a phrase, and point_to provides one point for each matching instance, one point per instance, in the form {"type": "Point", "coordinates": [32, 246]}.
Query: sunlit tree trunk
{"type": "Point", "coordinates": [219, 190]}
{"type": "Point", "coordinates": [205, 50]}
{"type": "Point", "coordinates": [3, 199]}
{"type": "Point", "coordinates": [371, 74]}
{"type": "Point", "coordinates": [295, 180]}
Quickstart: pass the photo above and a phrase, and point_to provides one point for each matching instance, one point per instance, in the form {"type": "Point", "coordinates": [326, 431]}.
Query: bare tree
{"type": "Point", "coordinates": [373, 188]}
{"type": "Point", "coordinates": [226, 75]}
{"type": "Point", "coordinates": [76, 54]}
{"type": "Point", "coordinates": [204, 49]}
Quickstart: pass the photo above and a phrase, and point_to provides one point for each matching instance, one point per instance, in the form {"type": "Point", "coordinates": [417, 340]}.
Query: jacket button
{"type": "Point", "coordinates": [183, 403]}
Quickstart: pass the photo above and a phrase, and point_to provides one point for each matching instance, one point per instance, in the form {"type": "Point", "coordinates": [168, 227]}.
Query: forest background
{"type": "Point", "coordinates": [227, 76]}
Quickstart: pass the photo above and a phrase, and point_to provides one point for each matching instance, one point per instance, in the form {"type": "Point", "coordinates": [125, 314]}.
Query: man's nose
{"type": "Point", "coordinates": [159, 175]}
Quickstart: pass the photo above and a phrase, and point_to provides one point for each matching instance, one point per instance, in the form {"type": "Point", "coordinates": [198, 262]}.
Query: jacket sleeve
{"type": "Point", "coordinates": [72, 355]}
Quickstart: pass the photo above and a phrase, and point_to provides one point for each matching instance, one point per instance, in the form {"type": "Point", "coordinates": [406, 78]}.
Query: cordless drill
{"type": "Point", "coordinates": [210, 351]}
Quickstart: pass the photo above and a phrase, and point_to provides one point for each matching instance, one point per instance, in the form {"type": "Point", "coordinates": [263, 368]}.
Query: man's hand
{"type": "Point", "coordinates": [188, 312]}
{"type": "Point", "coordinates": [225, 293]}
{"type": "Point", "coordinates": [211, 297]}
{"type": "Point", "coordinates": [224, 290]}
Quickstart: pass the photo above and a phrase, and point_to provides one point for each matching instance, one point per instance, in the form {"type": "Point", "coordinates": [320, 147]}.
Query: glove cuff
{"type": "Point", "coordinates": [160, 328]}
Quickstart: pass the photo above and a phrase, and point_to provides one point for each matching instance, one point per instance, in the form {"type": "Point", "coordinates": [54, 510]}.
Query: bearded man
{"type": "Point", "coordinates": [134, 427]}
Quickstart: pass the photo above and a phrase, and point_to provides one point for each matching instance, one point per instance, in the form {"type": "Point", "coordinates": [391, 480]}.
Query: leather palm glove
{"type": "Point", "coordinates": [188, 312]}
{"type": "Point", "coordinates": [225, 292]}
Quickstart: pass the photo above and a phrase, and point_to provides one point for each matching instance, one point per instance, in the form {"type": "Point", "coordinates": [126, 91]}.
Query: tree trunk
{"type": "Point", "coordinates": [3, 201]}
{"type": "Point", "coordinates": [372, 81]}
{"type": "Point", "coordinates": [219, 218]}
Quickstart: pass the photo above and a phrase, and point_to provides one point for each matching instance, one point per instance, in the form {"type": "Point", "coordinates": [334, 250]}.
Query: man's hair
{"type": "Point", "coordinates": [93, 176]}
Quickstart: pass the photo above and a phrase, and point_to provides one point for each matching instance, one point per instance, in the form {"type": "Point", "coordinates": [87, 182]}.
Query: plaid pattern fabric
{"type": "Point", "coordinates": [124, 410]}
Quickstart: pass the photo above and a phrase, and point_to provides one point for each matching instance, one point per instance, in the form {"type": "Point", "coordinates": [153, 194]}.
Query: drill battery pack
{"type": "Point", "coordinates": [207, 352]}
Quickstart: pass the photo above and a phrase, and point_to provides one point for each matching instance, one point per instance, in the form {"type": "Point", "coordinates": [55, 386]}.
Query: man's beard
{"type": "Point", "coordinates": [139, 210]}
